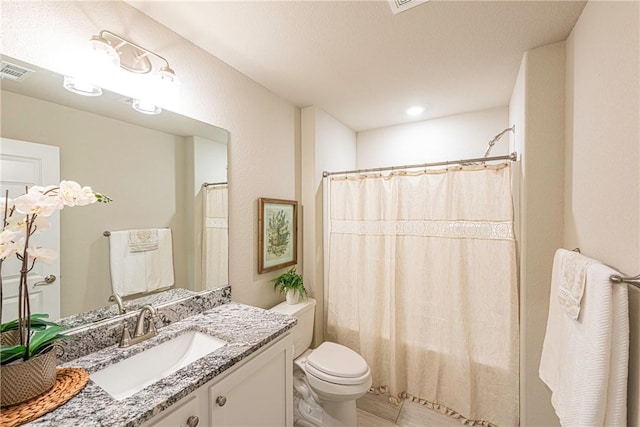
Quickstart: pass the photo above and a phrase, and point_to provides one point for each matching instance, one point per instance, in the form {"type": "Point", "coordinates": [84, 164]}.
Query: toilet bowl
{"type": "Point", "coordinates": [328, 379]}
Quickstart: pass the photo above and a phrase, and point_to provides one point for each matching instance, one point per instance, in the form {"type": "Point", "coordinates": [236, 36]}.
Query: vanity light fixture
{"type": "Point", "coordinates": [131, 56]}
{"type": "Point", "coordinates": [111, 51]}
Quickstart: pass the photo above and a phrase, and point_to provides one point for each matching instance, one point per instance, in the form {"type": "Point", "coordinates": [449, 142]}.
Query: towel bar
{"type": "Point", "coordinates": [614, 278]}
{"type": "Point", "coordinates": [633, 281]}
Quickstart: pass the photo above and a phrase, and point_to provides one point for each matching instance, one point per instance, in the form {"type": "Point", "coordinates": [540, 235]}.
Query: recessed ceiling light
{"type": "Point", "coordinates": [416, 110]}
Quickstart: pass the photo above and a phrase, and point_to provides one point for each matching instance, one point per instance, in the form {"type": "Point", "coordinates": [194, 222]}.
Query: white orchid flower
{"type": "Point", "coordinates": [7, 245]}
{"type": "Point", "coordinates": [72, 194]}
{"type": "Point", "coordinates": [17, 223]}
{"type": "Point", "coordinates": [42, 254]}
{"type": "Point", "coordinates": [15, 246]}
{"type": "Point", "coordinates": [89, 196]}
{"type": "Point", "coordinates": [7, 236]}
{"type": "Point", "coordinates": [36, 203]}
{"type": "Point", "coordinates": [42, 224]}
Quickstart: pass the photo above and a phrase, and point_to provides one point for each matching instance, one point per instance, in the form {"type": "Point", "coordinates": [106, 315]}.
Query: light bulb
{"type": "Point", "coordinates": [145, 107]}
{"type": "Point", "coordinates": [168, 75]}
{"type": "Point", "coordinates": [81, 86]}
{"type": "Point", "coordinates": [104, 53]}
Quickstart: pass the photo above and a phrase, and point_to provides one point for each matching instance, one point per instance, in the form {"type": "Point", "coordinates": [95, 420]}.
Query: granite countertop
{"type": "Point", "coordinates": [246, 329]}
{"type": "Point", "coordinates": [111, 310]}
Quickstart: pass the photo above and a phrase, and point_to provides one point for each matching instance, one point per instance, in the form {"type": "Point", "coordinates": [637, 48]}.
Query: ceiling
{"type": "Point", "coordinates": [364, 65]}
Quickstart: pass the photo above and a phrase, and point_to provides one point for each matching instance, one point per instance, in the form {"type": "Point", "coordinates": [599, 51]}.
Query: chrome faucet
{"type": "Point", "coordinates": [140, 335]}
{"type": "Point", "coordinates": [118, 300]}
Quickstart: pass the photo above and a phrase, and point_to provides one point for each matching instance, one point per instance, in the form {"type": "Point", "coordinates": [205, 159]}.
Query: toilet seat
{"type": "Point", "coordinates": [337, 364]}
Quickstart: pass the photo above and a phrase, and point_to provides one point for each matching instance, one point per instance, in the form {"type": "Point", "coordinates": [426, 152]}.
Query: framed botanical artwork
{"type": "Point", "coordinates": [277, 234]}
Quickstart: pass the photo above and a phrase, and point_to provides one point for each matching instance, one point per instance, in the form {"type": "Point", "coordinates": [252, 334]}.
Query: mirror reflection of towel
{"type": "Point", "coordinates": [133, 272]}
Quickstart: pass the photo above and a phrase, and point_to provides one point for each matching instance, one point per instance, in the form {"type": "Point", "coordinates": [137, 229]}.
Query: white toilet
{"type": "Point", "coordinates": [327, 380]}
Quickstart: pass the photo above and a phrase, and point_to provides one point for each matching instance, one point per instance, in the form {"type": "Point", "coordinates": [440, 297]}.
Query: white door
{"type": "Point", "coordinates": [26, 164]}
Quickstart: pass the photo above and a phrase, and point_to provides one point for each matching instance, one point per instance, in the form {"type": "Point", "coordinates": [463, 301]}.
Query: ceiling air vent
{"type": "Point", "coordinates": [14, 72]}
{"type": "Point", "coordinates": [398, 6]}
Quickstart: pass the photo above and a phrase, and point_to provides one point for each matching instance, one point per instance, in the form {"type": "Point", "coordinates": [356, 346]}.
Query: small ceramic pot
{"type": "Point", "coordinates": [293, 297]}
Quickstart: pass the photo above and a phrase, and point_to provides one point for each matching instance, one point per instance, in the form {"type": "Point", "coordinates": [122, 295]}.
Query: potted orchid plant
{"type": "Point", "coordinates": [23, 356]}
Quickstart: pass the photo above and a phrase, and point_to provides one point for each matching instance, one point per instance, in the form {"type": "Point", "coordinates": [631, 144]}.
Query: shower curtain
{"type": "Point", "coordinates": [215, 237]}
{"type": "Point", "coordinates": [421, 281]}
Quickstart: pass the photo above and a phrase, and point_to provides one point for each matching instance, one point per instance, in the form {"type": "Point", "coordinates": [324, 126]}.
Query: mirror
{"type": "Point", "coordinates": [154, 167]}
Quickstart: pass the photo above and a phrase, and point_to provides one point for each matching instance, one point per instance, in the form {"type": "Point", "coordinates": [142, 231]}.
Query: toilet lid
{"type": "Point", "coordinates": [338, 364]}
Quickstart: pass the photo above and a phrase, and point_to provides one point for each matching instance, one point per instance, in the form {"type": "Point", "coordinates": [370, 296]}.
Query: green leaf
{"type": "Point", "coordinates": [9, 353]}
{"type": "Point", "coordinates": [42, 338]}
{"type": "Point", "coordinates": [37, 323]}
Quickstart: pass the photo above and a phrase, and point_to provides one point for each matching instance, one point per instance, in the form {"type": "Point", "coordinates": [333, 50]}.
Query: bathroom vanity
{"type": "Point", "coordinates": [246, 381]}
{"type": "Point", "coordinates": [254, 392]}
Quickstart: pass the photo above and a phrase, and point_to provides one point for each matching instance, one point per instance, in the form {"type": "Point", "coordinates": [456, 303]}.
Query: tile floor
{"type": "Point", "coordinates": [377, 411]}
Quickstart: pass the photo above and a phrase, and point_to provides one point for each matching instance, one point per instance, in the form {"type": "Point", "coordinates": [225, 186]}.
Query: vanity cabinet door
{"type": "Point", "coordinates": [259, 393]}
{"type": "Point", "coordinates": [185, 414]}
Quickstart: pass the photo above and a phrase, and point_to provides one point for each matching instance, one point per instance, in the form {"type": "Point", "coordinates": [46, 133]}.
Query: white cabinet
{"type": "Point", "coordinates": [257, 391]}
{"type": "Point", "coordinates": [185, 413]}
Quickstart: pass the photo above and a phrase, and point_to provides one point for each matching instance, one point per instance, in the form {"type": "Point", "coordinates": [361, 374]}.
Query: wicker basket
{"type": "Point", "coordinates": [10, 337]}
{"type": "Point", "coordinates": [21, 381]}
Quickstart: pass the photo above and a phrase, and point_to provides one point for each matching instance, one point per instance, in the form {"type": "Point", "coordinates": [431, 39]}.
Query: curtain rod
{"type": "Point", "coordinates": [209, 184]}
{"type": "Point", "coordinates": [513, 157]}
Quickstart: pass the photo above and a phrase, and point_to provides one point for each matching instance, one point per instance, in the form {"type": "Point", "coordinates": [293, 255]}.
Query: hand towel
{"type": "Point", "coordinates": [136, 272]}
{"type": "Point", "coordinates": [573, 276]}
{"type": "Point", "coordinates": [143, 240]}
{"type": "Point", "coordinates": [585, 361]}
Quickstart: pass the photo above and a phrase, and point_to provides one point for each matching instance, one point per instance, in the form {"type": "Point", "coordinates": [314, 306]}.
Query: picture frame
{"type": "Point", "coordinates": [277, 234]}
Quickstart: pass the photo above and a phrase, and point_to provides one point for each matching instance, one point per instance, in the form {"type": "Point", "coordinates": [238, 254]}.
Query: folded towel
{"type": "Point", "coordinates": [573, 267]}
{"type": "Point", "coordinates": [143, 240]}
{"type": "Point", "coordinates": [585, 361]}
{"type": "Point", "coordinates": [136, 272]}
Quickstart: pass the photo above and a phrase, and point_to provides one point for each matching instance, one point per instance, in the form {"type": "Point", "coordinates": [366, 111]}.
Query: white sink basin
{"type": "Point", "coordinates": [131, 375]}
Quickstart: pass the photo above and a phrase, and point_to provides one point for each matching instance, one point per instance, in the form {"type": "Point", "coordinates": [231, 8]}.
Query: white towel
{"type": "Point", "coordinates": [585, 361]}
{"type": "Point", "coordinates": [135, 272]}
{"type": "Point", "coordinates": [573, 277]}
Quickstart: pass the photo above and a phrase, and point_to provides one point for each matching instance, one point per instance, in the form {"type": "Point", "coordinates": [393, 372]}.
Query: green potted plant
{"type": "Point", "coordinates": [28, 359]}
{"type": "Point", "coordinates": [290, 284]}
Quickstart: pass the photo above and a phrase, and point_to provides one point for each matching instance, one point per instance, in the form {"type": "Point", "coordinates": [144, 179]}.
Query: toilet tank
{"type": "Point", "coordinates": [303, 331]}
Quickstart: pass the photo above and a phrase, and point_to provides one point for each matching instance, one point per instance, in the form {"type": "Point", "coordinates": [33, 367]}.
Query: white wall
{"type": "Point", "coordinates": [327, 145]}
{"type": "Point", "coordinates": [262, 126]}
{"type": "Point", "coordinates": [602, 153]}
{"type": "Point", "coordinates": [537, 110]}
{"type": "Point", "coordinates": [449, 138]}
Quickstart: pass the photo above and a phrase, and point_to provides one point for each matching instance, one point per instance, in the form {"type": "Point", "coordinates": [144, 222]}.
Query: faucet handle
{"type": "Point", "coordinates": [152, 325]}
{"type": "Point", "coordinates": [126, 336]}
